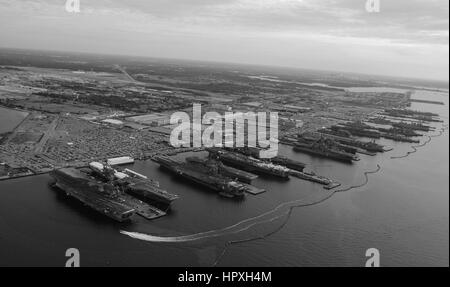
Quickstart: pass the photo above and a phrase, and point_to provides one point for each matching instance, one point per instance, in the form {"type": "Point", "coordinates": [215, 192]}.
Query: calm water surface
{"type": "Point", "coordinates": [9, 119]}
{"type": "Point", "coordinates": [403, 211]}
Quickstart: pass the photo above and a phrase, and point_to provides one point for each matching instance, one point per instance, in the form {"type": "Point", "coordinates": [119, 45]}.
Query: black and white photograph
{"type": "Point", "coordinates": [217, 134]}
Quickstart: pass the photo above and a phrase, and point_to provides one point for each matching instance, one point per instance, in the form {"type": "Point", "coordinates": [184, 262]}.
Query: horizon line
{"type": "Point", "coordinates": [392, 77]}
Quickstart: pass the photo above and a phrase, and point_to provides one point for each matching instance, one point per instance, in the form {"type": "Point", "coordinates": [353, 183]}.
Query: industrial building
{"type": "Point", "coordinates": [291, 109]}
{"type": "Point", "coordinates": [113, 122]}
{"type": "Point", "coordinates": [155, 120]}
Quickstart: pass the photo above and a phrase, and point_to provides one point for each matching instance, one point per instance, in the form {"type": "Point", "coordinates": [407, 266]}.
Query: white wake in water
{"type": "Point", "coordinates": [233, 229]}
{"type": "Point", "coordinates": [151, 238]}
{"type": "Point", "coordinates": [248, 223]}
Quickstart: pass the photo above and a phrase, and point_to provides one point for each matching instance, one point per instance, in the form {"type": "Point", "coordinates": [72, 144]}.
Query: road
{"type": "Point", "coordinates": [47, 135]}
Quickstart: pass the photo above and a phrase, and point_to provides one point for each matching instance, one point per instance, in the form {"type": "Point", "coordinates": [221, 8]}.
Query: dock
{"type": "Point", "coordinates": [241, 175]}
{"type": "Point", "coordinates": [289, 163]}
{"type": "Point", "coordinates": [249, 164]}
{"type": "Point", "coordinates": [427, 102]}
{"type": "Point", "coordinates": [253, 189]}
{"type": "Point", "coordinates": [328, 183]}
{"type": "Point", "coordinates": [142, 209]}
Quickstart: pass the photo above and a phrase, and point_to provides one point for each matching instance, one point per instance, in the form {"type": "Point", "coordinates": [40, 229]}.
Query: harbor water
{"type": "Point", "coordinates": [9, 119]}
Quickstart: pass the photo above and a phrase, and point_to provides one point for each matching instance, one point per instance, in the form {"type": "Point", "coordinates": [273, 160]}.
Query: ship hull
{"type": "Point", "coordinates": [330, 155]}
{"type": "Point", "coordinates": [253, 169]}
{"type": "Point", "coordinates": [241, 162]}
{"type": "Point", "coordinates": [146, 192]}
{"type": "Point", "coordinates": [199, 178]}
{"type": "Point", "coordinates": [88, 197]}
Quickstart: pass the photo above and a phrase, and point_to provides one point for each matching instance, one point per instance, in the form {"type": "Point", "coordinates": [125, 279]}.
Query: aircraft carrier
{"type": "Point", "coordinates": [311, 138]}
{"type": "Point", "coordinates": [413, 126]}
{"type": "Point", "coordinates": [325, 148]}
{"type": "Point", "coordinates": [400, 131]}
{"type": "Point", "coordinates": [380, 121]}
{"type": "Point", "coordinates": [412, 115]}
{"type": "Point", "coordinates": [214, 166]}
{"type": "Point", "coordinates": [289, 163]}
{"type": "Point", "coordinates": [134, 183]}
{"type": "Point", "coordinates": [366, 145]}
{"type": "Point", "coordinates": [224, 186]}
{"type": "Point", "coordinates": [357, 131]}
{"type": "Point", "coordinates": [278, 160]}
{"type": "Point", "coordinates": [400, 138]}
{"type": "Point", "coordinates": [105, 198]}
{"type": "Point", "coordinates": [249, 164]}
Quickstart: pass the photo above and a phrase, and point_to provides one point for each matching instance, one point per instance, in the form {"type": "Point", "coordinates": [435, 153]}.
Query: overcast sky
{"type": "Point", "coordinates": [407, 38]}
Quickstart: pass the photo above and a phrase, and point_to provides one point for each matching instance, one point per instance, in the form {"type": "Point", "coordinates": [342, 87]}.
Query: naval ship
{"type": "Point", "coordinates": [400, 138]}
{"type": "Point", "coordinates": [277, 160]}
{"type": "Point", "coordinates": [134, 183]}
{"type": "Point", "coordinates": [370, 146]}
{"type": "Point", "coordinates": [412, 126]}
{"type": "Point", "coordinates": [216, 167]}
{"type": "Point", "coordinates": [400, 131]}
{"type": "Point", "coordinates": [249, 164]}
{"type": "Point", "coordinates": [312, 138]}
{"type": "Point", "coordinates": [323, 148]}
{"type": "Point", "coordinates": [223, 185]}
{"type": "Point", "coordinates": [102, 197]}
{"type": "Point", "coordinates": [358, 128]}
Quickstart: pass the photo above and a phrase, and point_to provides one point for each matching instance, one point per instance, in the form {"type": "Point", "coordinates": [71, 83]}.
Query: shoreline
{"type": "Point", "coordinates": [26, 116]}
{"type": "Point", "coordinates": [85, 165]}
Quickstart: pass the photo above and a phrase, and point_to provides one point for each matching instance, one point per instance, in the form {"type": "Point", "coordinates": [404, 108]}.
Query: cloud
{"type": "Point", "coordinates": [401, 20]}
{"type": "Point", "coordinates": [407, 32]}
